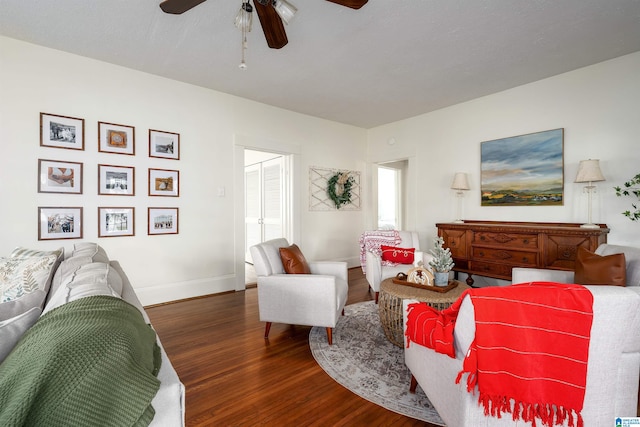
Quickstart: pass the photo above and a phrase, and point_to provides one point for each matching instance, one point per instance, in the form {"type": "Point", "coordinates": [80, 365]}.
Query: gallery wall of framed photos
{"type": "Point", "coordinates": [116, 176]}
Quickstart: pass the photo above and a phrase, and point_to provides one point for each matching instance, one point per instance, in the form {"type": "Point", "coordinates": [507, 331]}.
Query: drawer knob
{"type": "Point", "coordinates": [525, 241]}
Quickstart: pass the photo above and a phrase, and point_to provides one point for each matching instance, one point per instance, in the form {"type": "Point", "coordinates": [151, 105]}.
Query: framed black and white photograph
{"type": "Point", "coordinates": [59, 223]}
{"type": "Point", "coordinates": [116, 180]}
{"type": "Point", "coordinates": [165, 145]}
{"type": "Point", "coordinates": [162, 221]}
{"type": "Point", "coordinates": [118, 139]}
{"type": "Point", "coordinates": [116, 222]}
{"type": "Point", "coordinates": [56, 176]}
{"type": "Point", "coordinates": [61, 131]}
{"type": "Point", "coordinates": [164, 182]}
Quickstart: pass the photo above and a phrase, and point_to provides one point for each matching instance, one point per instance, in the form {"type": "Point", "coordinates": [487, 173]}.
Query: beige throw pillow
{"type": "Point", "coordinates": [24, 283]}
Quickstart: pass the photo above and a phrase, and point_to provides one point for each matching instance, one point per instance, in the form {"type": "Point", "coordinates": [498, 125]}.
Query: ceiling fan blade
{"type": "Point", "coordinates": [177, 7]}
{"type": "Point", "coordinates": [272, 25]}
{"type": "Point", "coordinates": [353, 4]}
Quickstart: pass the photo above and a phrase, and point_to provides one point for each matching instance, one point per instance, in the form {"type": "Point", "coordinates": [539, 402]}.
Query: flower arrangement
{"type": "Point", "coordinates": [339, 188]}
{"type": "Point", "coordinates": [442, 261]}
{"type": "Point", "coordinates": [630, 190]}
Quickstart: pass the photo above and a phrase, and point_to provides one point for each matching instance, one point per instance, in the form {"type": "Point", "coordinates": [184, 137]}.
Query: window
{"type": "Point", "coordinates": [389, 198]}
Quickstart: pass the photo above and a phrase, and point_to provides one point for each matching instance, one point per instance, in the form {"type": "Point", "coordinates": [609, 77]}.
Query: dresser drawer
{"type": "Point", "coordinates": [455, 240]}
{"type": "Point", "coordinates": [508, 256]}
{"type": "Point", "coordinates": [509, 240]}
{"type": "Point", "coordinates": [461, 264]}
{"type": "Point", "coordinates": [490, 269]}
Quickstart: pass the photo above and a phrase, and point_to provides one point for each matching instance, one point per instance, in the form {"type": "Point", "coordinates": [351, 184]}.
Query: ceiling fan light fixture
{"type": "Point", "coordinates": [244, 18]}
{"type": "Point", "coordinates": [243, 21]}
{"type": "Point", "coordinates": [286, 11]}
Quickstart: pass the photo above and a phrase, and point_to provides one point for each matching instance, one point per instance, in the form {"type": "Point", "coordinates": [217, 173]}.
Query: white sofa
{"type": "Point", "coordinates": [375, 272]}
{"type": "Point", "coordinates": [614, 354]}
{"type": "Point", "coordinates": [87, 271]}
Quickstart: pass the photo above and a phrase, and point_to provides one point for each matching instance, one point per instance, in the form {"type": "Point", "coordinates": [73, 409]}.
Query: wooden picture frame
{"type": "Point", "coordinates": [164, 182]}
{"type": "Point", "coordinates": [165, 145]}
{"type": "Point", "coordinates": [56, 176]}
{"type": "Point", "coordinates": [162, 221]}
{"type": "Point", "coordinates": [115, 138]}
{"type": "Point", "coordinates": [116, 180]}
{"type": "Point", "coordinates": [56, 223]}
{"type": "Point", "coordinates": [116, 221]}
{"type": "Point", "coordinates": [524, 170]}
{"type": "Point", "coordinates": [61, 131]}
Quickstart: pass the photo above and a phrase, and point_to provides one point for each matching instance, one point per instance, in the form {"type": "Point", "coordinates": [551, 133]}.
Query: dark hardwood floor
{"type": "Point", "coordinates": [233, 377]}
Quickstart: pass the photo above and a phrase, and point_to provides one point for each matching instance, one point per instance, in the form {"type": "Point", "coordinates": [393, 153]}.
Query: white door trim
{"type": "Point", "coordinates": [291, 191]}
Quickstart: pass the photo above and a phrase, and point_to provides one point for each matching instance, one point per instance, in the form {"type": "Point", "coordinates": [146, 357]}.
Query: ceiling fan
{"type": "Point", "coordinates": [270, 20]}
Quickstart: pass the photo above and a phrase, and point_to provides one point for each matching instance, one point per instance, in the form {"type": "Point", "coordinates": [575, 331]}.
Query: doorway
{"type": "Point", "coordinates": [290, 193]}
{"type": "Point", "coordinates": [264, 200]}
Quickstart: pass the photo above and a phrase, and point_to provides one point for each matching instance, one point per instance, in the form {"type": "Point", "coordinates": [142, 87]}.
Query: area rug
{"type": "Point", "coordinates": [364, 361]}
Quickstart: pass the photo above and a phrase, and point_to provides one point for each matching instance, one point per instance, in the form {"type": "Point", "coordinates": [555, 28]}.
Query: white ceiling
{"type": "Point", "coordinates": [388, 61]}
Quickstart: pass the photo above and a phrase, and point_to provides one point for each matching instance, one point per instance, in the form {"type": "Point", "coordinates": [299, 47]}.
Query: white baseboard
{"type": "Point", "coordinates": [167, 292]}
{"type": "Point", "coordinates": [150, 295]}
{"type": "Point", "coordinates": [353, 262]}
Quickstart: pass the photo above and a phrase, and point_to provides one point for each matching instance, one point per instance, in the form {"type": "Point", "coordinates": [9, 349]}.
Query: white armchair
{"type": "Point", "coordinates": [375, 272]}
{"type": "Point", "coordinates": [315, 299]}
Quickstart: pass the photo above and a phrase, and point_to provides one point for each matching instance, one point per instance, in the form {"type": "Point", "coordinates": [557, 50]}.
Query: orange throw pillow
{"type": "Point", "coordinates": [293, 260]}
{"type": "Point", "coordinates": [397, 255]}
{"type": "Point", "coordinates": [594, 269]}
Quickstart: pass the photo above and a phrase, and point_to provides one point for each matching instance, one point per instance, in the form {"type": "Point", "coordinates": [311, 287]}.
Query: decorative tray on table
{"type": "Point", "coordinates": [401, 279]}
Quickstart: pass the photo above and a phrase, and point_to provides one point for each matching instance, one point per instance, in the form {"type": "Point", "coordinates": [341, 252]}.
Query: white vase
{"type": "Point", "coordinates": [441, 279]}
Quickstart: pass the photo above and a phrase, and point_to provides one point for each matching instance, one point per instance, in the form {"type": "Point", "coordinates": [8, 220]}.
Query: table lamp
{"type": "Point", "coordinates": [460, 184]}
{"type": "Point", "coordinates": [589, 171]}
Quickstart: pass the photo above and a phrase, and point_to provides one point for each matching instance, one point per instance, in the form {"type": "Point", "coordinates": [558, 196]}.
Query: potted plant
{"type": "Point", "coordinates": [442, 262]}
{"type": "Point", "coordinates": [632, 189]}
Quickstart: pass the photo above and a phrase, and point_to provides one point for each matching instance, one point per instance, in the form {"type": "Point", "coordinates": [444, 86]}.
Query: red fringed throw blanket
{"type": "Point", "coordinates": [372, 240]}
{"type": "Point", "coordinates": [529, 356]}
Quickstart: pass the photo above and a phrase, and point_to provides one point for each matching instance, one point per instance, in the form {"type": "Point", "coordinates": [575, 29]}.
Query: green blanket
{"type": "Point", "coordinates": [90, 362]}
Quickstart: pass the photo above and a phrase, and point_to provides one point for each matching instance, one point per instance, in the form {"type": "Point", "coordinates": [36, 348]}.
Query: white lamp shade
{"type": "Point", "coordinates": [285, 10]}
{"type": "Point", "coordinates": [460, 181]}
{"type": "Point", "coordinates": [244, 17]}
{"type": "Point", "coordinates": [589, 171]}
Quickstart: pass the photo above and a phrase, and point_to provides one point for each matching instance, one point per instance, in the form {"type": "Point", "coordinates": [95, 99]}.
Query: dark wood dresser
{"type": "Point", "coordinates": [493, 248]}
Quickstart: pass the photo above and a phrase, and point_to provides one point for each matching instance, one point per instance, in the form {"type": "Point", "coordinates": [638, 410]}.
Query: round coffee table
{"type": "Point", "coordinates": [390, 305]}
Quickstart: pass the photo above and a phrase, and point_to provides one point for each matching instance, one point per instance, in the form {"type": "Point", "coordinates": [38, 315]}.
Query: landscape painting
{"type": "Point", "coordinates": [525, 170]}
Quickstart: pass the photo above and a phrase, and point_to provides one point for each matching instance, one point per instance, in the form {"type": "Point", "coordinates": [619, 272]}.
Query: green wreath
{"type": "Point", "coordinates": [339, 188]}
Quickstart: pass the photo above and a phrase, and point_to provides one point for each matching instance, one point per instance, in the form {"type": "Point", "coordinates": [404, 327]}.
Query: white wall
{"type": "Point", "coordinates": [599, 110]}
{"type": "Point", "coordinates": [597, 106]}
{"type": "Point", "coordinates": [203, 257]}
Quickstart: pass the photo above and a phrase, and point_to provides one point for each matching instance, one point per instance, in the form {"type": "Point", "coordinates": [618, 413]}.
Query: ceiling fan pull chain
{"type": "Point", "coordinates": [243, 21]}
